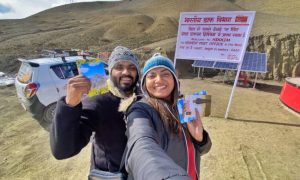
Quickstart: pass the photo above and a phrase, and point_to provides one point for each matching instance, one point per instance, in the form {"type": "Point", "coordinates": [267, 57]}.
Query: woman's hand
{"type": "Point", "coordinates": [195, 127]}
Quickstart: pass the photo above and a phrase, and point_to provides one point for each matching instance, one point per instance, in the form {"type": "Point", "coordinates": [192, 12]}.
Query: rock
{"type": "Point", "coordinates": [283, 54]}
{"type": "Point", "coordinates": [296, 70]}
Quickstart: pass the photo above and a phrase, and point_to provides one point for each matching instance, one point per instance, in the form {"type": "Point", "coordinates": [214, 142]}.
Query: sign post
{"type": "Point", "coordinates": [214, 36]}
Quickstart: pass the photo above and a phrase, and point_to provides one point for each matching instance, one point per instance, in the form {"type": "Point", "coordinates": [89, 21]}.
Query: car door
{"type": "Point", "coordinates": [47, 91]}
{"type": "Point", "coordinates": [60, 74]}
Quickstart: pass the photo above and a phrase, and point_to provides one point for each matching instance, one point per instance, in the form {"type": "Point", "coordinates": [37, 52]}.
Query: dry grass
{"type": "Point", "coordinates": [289, 8]}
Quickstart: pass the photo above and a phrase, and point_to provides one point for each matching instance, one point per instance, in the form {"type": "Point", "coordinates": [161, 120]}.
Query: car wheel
{"type": "Point", "coordinates": [49, 113]}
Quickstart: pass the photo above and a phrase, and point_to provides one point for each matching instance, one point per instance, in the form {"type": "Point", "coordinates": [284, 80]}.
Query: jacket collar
{"type": "Point", "coordinates": [125, 101]}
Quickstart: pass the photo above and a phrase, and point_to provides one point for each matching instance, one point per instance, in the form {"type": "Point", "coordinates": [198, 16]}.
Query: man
{"type": "Point", "coordinates": [76, 120]}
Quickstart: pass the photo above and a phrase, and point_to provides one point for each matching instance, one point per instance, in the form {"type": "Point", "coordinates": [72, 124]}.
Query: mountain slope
{"type": "Point", "coordinates": [103, 25]}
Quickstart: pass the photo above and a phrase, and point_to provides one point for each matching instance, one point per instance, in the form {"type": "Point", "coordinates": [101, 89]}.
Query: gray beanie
{"type": "Point", "coordinates": [121, 53]}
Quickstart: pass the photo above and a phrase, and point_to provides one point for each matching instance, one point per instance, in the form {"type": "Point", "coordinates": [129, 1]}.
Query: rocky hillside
{"type": "Point", "coordinates": [283, 54]}
{"type": "Point", "coordinates": [140, 23]}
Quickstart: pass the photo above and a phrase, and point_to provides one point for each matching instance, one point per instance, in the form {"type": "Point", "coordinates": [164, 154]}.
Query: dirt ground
{"type": "Point", "coordinates": [260, 140]}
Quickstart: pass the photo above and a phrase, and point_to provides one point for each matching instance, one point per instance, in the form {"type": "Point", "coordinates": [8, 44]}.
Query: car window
{"type": "Point", "coordinates": [25, 73]}
{"type": "Point", "coordinates": [65, 71]}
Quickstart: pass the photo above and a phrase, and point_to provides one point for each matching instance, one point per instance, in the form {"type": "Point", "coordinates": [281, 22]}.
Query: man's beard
{"type": "Point", "coordinates": [124, 88]}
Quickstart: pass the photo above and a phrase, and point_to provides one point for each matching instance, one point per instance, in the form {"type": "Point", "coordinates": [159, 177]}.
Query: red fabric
{"type": "Point", "coordinates": [243, 77]}
{"type": "Point", "coordinates": [290, 95]}
{"type": "Point", "coordinates": [191, 160]}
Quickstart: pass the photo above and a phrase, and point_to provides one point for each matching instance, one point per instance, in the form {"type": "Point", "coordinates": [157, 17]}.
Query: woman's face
{"type": "Point", "coordinates": [160, 83]}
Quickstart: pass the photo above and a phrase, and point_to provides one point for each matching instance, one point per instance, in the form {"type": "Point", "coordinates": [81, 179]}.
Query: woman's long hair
{"type": "Point", "coordinates": [167, 110]}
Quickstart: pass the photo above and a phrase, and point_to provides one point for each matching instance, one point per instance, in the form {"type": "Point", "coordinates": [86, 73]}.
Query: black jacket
{"type": "Point", "coordinates": [153, 152]}
{"type": "Point", "coordinates": [73, 127]}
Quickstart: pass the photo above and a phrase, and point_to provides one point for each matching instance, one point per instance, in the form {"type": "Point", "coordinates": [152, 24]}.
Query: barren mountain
{"type": "Point", "coordinates": [136, 23]}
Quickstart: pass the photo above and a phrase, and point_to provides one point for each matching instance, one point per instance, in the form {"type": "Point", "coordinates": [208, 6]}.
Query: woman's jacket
{"type": "Point", "coordinates": [152, 151]}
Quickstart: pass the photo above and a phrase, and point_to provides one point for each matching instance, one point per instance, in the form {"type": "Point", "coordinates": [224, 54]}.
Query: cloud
{"type": "Point", "coordinates": [95, 63]}
{"type": "Point", "coordinates": [59, 3]}
{"type": "Point", "coordinates": [5, 8]}
{"type": "Point", "coordinates": [84, 70]}
{"type": "Point", "coordinates": [21, 9]}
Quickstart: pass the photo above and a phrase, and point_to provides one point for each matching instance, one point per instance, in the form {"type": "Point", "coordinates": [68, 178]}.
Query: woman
{"type": "Point", "coordinates": [159, 147]}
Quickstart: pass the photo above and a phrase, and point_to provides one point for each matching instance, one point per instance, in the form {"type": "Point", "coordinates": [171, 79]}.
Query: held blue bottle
{"type": "Point", "coordinates": [203, 92]}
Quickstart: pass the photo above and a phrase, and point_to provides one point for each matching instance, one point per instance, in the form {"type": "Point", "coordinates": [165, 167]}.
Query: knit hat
{"type": "Point", "coordinates": [156, 61]}
{"type": "Point", "coordinates": [121, 53]}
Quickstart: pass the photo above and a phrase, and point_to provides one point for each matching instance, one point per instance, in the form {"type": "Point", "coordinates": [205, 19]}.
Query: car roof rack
{"type": "Point", "coordinates": [57, 53]}
{"type": "Point", "coordinates": [63, 58]}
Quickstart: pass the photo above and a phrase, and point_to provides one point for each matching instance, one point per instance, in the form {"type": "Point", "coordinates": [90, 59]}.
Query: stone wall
{"type": "Point", "coordinates": [283, 54]}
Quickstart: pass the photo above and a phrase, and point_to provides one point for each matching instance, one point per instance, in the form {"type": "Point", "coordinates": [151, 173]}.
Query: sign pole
{"type": "Point", "coordinates": [255, 80]}
{"type": "Point", "coordinates": [178, 38]}
{"type": "Point", "coordinates": [233, 89]}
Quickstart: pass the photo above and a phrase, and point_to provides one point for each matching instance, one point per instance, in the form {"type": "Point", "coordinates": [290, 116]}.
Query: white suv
{"type": "Point", "coordinates": [41, 82]}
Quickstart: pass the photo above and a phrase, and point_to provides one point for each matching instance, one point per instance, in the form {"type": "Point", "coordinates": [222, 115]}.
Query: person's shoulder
{"type": "Point", "coordinates": [142, 110]}
{"type": "Point", "coordinates": [140, 104]}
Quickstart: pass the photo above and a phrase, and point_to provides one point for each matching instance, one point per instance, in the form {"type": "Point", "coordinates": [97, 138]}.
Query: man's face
{"type": "Point", "coordinates": [124, 76]}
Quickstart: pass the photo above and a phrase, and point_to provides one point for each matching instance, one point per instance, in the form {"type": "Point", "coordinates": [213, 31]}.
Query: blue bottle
{"type": "Point", "coordinates": [203, 92]}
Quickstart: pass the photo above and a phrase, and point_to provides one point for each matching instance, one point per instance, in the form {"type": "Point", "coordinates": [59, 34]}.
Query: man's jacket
{"type": "Point", "coordinates": [73, 127]}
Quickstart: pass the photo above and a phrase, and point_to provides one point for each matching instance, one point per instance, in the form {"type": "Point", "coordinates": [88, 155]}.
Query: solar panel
{"type": "Point", "coordinates": [226, 65]}
{"type": "Point", "coordinates": [253, 62]}
{"type": "Point", "coordinates": [202, 63]}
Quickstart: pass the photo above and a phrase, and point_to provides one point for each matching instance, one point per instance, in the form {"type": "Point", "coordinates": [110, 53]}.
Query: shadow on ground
{"type": "Point", "coordinates": [269, 88]}
{"type": "Point", "coordinates": [45, 125]}
{"type": "Point", "coordinates": [276, 89]}
{"type": "Point", "coordinates": [259, 121]}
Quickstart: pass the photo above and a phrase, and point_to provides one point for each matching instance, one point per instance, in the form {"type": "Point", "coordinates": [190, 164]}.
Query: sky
{"type": "Point", "coordinates": [17, 9]}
